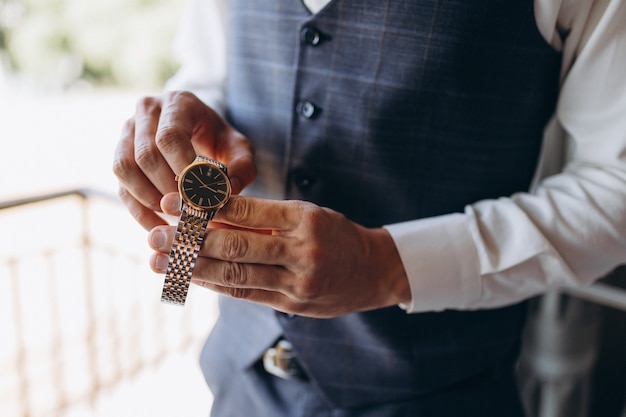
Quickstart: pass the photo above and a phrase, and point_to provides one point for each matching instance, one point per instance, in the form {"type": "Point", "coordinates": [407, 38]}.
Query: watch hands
{"type": "Point", "coordinates": [204, 185]}
{"type": "Point", "coordinates": [198, 178]}
{"type": "Point", "coordinates": [208, 188]}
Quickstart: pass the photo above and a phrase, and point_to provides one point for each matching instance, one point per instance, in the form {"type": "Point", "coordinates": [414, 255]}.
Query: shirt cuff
{"type": "Point", "coordinates": [440, 261]}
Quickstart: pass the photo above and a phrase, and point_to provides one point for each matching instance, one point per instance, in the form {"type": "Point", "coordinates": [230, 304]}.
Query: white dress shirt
{"type": "Point", "coordinates": [568, 229]}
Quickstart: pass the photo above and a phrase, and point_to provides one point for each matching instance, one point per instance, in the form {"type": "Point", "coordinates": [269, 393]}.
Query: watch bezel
{"type": "Point", "coordinates": [214, 165]}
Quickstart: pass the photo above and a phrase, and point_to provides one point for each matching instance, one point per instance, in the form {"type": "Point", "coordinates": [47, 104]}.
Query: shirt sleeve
{"type": "Point", "coordinates": [570, 229]}
{"type": "Point", "coordinates": [200, 49]}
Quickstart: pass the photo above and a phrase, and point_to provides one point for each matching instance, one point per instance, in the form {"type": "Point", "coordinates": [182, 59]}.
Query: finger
{"type": "Point", "coordinates": [146, 152]}
{"type": "Point", "coordinates": [245, 275]}
{"type": "Point", "coordinates": [232, 274]}
{"type": "Point", "coordinates": [258, 283]}
{"type": "Point", "coordinates": [276, 300]}
{"type": "Point", "coordinates": [240, 161]}
{"type": "Point", "coordinates": [160, 238]}
{"type": "Point", "coordinates": [256, 213]}
{"type": "Point", "coordinates": [170, 204]}
{"type": "Point", "coordinates": [146, 217]}
{"type": "Point", "coordinates": [244, 246]}
{"type": "Point", "coordinates": [218, 225]}
{"type": "Point", "coordinates": [232, 245]}
{"type": "Point", "coordinates": [129, 174]}
{"type": "Point", "coordinates": [159, 262]}
{"type": "Point", "coordinates": [185, 119]}
{"type": "Point", "coordinates": [183, 116]}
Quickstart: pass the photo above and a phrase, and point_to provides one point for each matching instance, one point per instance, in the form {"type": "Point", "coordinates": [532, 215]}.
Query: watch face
{"type": "Point", "coordinates": [204, 186]}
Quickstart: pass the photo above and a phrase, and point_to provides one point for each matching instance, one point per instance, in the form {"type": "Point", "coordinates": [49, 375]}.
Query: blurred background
{"type": "Point", "coordinates": [82, 331]}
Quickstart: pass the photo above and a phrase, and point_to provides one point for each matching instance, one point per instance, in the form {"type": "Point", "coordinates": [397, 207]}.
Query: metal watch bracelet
{"type": "Point", "coordinates": [183, 254]}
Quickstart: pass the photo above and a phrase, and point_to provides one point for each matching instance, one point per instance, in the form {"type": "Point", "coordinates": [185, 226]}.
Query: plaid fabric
{"type": "Point", "coordinates": [419, 108]}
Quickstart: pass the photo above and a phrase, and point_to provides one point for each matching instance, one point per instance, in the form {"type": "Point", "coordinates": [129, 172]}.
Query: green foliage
{"type": "Point", "coordinates": [105, 42]}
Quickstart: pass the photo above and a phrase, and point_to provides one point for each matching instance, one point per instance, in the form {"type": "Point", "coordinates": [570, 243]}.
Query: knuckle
{"type": "Point", "coordinates": [310, 254]}
{"type": "Point", "coordinates": [178, 96]}
{"type": "Point", "coordinates": [123, 166]}
{"type": "Point", "coordinates": [148, 111]}
{"type": "Point", "coordinates": [123, 158]}
{"type": "Point", "coordinates": [313, 254]}
{"type": "Point", "coordinates": [310, 216]}
{"type": "Point", "coordinates": [170, 96]}
{"type": "Point", "coordinates": [233, 274]}
{"type": "Point", "coordinates": [148, 104]}
{"type": "Point", "coordinates": [233, 246]}
{"type": "Point", "coordinates": [167, 137]}
{"type": "Point", "coordinates": [236, 292]}
{"type": "Point", "coordinates": [314, 216]}
{"type": "Point", "coordinates": [181, 95]}
{"type": "Point", "coordinates": [238, 210]}
{"type": "Point", "coordinates": [146, 155]}
{"type": "Point", "coordinates": [306, 291]}
{"type": "Point", "coordinates": [128, 126]}
{"type": "Point", "coordinates": [308, 285]}
{"type": "Point", "coordinates": [123, 193]}
{"type": "Point", "coordinates": [275, 249]}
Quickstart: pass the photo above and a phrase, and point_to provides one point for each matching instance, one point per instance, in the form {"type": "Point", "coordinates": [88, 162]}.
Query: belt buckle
{"type": "Point", "coordinates": [280, 361]}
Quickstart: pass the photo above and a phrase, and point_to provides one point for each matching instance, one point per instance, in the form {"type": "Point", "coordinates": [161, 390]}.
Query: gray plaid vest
{"type": "Point", "coordinates": [388, 110]}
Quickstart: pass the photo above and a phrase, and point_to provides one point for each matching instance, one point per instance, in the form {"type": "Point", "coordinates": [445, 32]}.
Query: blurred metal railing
{"type": "Point", "coordinates": [78, 312]}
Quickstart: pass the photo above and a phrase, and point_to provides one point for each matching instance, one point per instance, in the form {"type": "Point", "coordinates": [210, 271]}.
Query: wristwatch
{"type": "Point", "coordinates": [204, 188]}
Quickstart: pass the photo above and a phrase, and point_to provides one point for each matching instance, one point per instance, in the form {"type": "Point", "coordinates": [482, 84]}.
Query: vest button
{"type": "Point", "coordinates": [306, 109]}
{"type": "Point", "coordinates": [302, 179]}
{"type": "Point", "coordinates": [310, 36]}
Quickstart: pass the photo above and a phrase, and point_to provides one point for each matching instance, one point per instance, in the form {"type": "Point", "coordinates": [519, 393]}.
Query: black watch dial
{"type": "Point", "coordinates": [204, 186]}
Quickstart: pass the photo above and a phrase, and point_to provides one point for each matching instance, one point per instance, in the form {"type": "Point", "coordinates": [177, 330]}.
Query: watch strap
{"type": "Point", "coordinates": [212, 161]}
{"type": "Point", "coordinates": [184, 253]}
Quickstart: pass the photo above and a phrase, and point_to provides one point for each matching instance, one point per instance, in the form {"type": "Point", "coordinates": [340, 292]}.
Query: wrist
{"type": "Point", "coordinates": [388, 269]}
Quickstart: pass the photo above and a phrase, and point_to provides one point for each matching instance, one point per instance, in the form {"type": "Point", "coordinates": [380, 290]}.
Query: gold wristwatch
{"type": "Point", "coordinates": [204, 188]}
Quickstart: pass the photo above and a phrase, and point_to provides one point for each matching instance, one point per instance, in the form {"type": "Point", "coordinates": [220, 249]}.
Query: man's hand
{"type": "Point", "coordinates": [293, 256]}
{"type": "Point", "coordinates": [164, 136]}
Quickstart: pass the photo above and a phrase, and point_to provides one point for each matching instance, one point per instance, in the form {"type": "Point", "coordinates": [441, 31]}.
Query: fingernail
{"type": "Point", "coordinates": [161, 262]}
{"type": "Point", "coordinates": [172, 204]}
{"type": "Point", "coordinates": [158, 240]}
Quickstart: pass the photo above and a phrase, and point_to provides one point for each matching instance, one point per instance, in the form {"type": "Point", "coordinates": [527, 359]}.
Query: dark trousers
{"type": "Point", "coordinates": [252, 392]}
